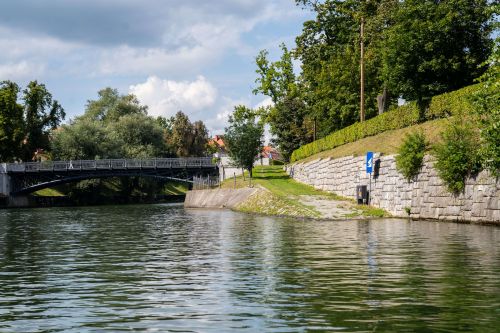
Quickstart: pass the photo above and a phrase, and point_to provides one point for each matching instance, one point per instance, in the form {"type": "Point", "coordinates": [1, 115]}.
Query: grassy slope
{"type": "Point", "coordinates": [175, 188]}
{"type": "Point", "coordinates": [283, 194]}
{"type": "Point", "coordinates": [49, 192]}
{"type": "Point", "coordinates": [387, 142]}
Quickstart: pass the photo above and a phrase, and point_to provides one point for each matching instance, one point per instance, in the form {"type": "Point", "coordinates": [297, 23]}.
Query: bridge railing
{"type": "Point", "coordinates": [110, 164]}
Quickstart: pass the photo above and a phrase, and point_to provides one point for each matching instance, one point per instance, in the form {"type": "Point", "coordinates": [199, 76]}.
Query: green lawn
{"type": "Point", "coordinates": [275, 179]}
{"type": "Point", "coordinates": [284, 192]}
{"type": "Point", "coordinates": [386, 142]}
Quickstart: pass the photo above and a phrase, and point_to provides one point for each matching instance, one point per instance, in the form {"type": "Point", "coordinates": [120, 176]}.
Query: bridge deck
{"type": "Point", "coordinates": [108, 164]}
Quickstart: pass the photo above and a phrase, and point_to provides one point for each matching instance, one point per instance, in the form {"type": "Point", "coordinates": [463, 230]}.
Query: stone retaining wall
{"type": "Point", "coordinates": [426, 197]}
{"type": "Point", "coordinates": [217, 198]}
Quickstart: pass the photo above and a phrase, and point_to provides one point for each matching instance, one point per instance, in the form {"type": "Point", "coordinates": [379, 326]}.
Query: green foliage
{"type": "Point", "coordinates": [24, 128]}
{"type": "Point", "coordinates": [11, 122]}
{"type": "Point", "coordinates": [411, 155]}
{"type": "Point", "coordinates": [276, 162]}
{"type": "Point", "coordinates": [288, 124]}
{"type": "Point", "coordinates": [441, 106]}
{"type": "Point", "coordinates": [276, 79]}
{"type": "Point", "coordinates": [287, 117]}
{"type": "Point", "coordinates": [414, 49]}
{"type": "Point", "coordinates": [110, 106]}
{"type": "Point", "coordinates": [408, 210]}
{"type": "Point", "coordinates": [41, 115]}
{"type": "Point", "coordinates": [185, 138]}
{"type": "Point", "coordinates": [243, 137]}
{"type": "Point", "coordinates": [403, 116]}
{"type": "Point", "coordinates": [83, 139]}
{"type": "Point", "coordinates": [457, 156]}
{"type": "Point", "coordinates": [455, 103]}
{"type": "Point", "coordinates": [431, 47]}
{"type": "Point", "coordinates": [131, 136]}
{"type": "Point", "coordinates": [328, 49]}
{"type": "Point", "coordinates": [487, 102]}
{"type": "Point", "coordinates": [138, 136]}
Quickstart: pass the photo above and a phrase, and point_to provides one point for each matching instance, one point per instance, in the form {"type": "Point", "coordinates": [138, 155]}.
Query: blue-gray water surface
{"type": "Point", "coordinates": [160, 268]}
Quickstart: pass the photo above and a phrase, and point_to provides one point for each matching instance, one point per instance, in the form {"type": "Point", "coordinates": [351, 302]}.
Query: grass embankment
{"type": "Point", "coordinates": [386, 142]}
{"type": "Point", "coordinates": [284, 196]}
{"type": "Point", "coordinates": [440, 107]}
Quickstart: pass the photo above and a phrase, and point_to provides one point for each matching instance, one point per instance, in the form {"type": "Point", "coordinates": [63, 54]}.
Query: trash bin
{"type": "Point", "coordinates": [362, 194]}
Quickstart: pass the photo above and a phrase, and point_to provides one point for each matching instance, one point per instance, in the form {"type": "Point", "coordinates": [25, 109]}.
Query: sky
{"type": "Point", "coordinates": [197, 56]}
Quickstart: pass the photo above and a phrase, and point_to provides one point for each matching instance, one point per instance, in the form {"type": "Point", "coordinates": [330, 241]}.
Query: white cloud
{"type": "Point", "coordinates": [167, 44]}
{"type": "Point", "coordinates": [166, 97]}
{"type": "Point", "coordinates": [264, 103]}
{"type": "Point", "coordinates": [20, 70]}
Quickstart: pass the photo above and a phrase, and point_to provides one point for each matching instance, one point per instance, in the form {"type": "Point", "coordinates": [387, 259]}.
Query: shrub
{"type": "Point", "coordinates": [487, 102]}
{"type": "Point", "coordinates": [451, 104]}
{"type": "Point", "coordinates": [411, 155]}
{"type": "Point", "coordinates": [276, 162]}
{"type": "Point", "coordinates": [441, 106]}
{"type": "Point", "coordinates": [457, 155]}
{"type": "Point", "coordinates": [401, 117]}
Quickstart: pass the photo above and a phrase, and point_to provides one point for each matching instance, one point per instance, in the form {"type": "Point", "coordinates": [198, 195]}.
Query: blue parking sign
{"type": "Point", "coordinates": [369, 162]}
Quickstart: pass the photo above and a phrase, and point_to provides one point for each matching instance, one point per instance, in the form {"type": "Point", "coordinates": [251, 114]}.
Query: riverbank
{"type": "Point", "coordinates": [274, 193]}
{"type": "Point", "coordinates": [425, 197]}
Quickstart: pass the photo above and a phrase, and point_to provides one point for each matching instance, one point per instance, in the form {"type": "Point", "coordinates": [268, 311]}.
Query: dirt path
{"type": "Point", "coordinates": [330, 208]}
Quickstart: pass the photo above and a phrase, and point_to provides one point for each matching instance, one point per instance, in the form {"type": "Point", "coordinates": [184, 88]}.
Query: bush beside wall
{"type": "Point", "coordinates": [441, 106]}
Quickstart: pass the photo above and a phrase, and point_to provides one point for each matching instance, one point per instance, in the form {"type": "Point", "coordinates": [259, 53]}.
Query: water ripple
{"type": "Point", "coordinates": [160, 268]}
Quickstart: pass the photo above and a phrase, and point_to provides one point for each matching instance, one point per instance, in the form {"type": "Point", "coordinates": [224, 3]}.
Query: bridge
{"type": "Point", "coordinates": [24, 178]}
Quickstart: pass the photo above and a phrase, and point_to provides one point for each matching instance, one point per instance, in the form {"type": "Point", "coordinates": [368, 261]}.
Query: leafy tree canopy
{"type": "Point", "coordinates": [243, 137]}
{"type": "Point", "coordinates": [413, 49]}
{"type": "Point", "coordinates": [11, 122]}
{"type": "Point", "coordinates": [25, 127]}
{"type": "Point", "coordinates": [110, 106]}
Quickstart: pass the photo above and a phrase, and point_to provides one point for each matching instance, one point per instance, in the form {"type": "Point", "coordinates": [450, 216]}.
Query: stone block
{"type": "Point", "coordinates": [452, 210]}
{"type": "Point", "coordinates": [489, 214]}
{"type": "Point", "coordinates": [466, 215]}
{"type": "Point", "coordinates": [478, 209]}
{"type": "Point", "coordinates": [494, 203]}
{"type": "Point", "coordinates": [495, 216]}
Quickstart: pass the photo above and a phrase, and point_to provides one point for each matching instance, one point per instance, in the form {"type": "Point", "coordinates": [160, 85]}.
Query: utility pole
{"type": "Point", "coordinates": [362, 66]}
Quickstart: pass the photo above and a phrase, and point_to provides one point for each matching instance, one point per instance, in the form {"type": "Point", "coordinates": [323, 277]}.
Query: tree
{"type": "Point", "coordinates": [140, 136]}
{"type": "Point", "coordinates": [414, 49]}
{"type": "Point", "coordinates": [287, 116]}
{"type": "Point", "coordinates": [433, 47]}
{"type": "Point", "coordinates": [289, 124]}
{"type": "Point", "coordinates": [11, 122]}
{"type": "Point", "coordinates": [81, 140]}
{"type": "Point", "coordinates": [187, 139]}
{"type": "Point", "coordinates": [181, 138]}
{"type": "Point", "coordinates": [200, 139]}
{"type": "Point", "coordinates": [110, 106]}
{"type": "Point", "coordinates": [243, 137]}
{"type": "Point", "coordinates": [330, 54]}
{"type": "Point", "coordinates": [41, 114]}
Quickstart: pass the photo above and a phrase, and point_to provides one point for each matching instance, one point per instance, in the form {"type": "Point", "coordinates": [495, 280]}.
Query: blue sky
{"type": "Point", "coordinates": [191, 55]}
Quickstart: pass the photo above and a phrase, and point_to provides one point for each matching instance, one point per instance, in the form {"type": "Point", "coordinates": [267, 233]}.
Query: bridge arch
{"type": "Point", "coordinates": [25, 178]}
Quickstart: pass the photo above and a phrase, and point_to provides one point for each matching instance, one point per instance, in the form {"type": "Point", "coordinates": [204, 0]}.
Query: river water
{"type": "Point", "coordinates": [159, 268]}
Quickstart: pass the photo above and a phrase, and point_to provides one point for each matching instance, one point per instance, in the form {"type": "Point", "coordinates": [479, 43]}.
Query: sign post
{"type": "Point", "coordinates": [369, 170]}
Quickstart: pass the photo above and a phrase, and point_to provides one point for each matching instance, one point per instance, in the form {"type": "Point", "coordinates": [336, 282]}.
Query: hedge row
{"type": "Point", "coordinates": [441, 106]}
